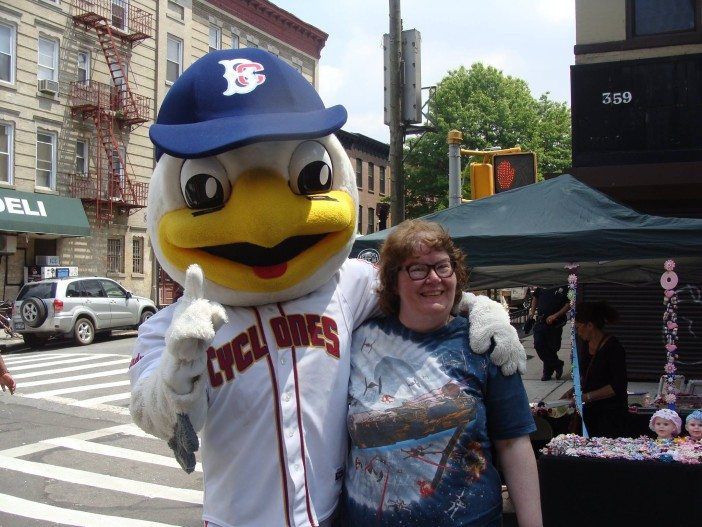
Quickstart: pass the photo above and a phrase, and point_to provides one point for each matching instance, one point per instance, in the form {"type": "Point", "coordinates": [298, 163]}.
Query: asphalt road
{"type": "Point", "coordinates": [69, 454]}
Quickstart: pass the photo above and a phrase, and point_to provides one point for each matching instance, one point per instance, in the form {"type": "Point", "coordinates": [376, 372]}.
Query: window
{"type": "Point", "coordinates": [81, 157]}
{"type": "Point", "coordinates": [46, 159]}
{"type": "Point", "coordinates": [7, 53]}
{"type": "Point", "coordinates": [138, 254]}
{"type": "Point", "coordinates": [6, 142]}
{"type": "Point", "coordinates": [360, 219]}
{"type": "Point", "coordinates": [48, 59]}
{"type": "Point", "coordinates": [119, 14]}
{"type": "Point", "coordinates": [654, 17]}
{"type": "Point", "coordinates": [176, 10]}
{"type": "Point", "coordinates": [359, 173]}
{"type": "Point", "coordinates": [174, 58]}
{"type": "Point", "coordinates": [382, 180]}
{"type": "Point", "coordinates": [371, 177]}
{"type": "Point", "coordinates": [235, 41]}
{"type": "Point", "coordinates": [215, 38]}
{"type": "Point", "coordinates": [112, 289]}
{"type": "Point", "coordinates": [92, 289]}
{"type": "Point", "coordinates": [371, 220]}
{"type": "Point", "coordinates": [115, 255]}
{"type": "Point", "coordinates": [83, 66]}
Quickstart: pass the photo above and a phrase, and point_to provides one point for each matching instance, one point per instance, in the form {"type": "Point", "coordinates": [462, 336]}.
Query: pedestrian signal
{"type": "Point", "coordinates": [513, 170]}
{"type": "Point", "coordinates": [481, 180]}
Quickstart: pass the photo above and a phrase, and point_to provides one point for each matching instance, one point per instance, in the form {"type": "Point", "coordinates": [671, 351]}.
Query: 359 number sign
{"type": "Point", "coordinates": [616, 97]}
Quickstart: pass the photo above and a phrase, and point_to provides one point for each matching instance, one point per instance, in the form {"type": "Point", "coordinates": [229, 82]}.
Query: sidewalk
{"type": "Point", "coordinates": [538, 390]}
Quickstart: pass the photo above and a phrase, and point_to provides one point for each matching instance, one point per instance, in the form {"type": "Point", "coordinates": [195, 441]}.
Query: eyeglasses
{"type": "Point", "coordinates": [419, 271]}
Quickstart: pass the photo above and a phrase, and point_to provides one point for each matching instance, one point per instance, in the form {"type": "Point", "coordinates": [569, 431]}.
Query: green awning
{"type": "Point", "coordinates": [42, 214]}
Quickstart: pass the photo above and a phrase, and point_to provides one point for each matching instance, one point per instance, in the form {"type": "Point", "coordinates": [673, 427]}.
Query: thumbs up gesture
{"type": "Point", "coordinates": [194, 324]}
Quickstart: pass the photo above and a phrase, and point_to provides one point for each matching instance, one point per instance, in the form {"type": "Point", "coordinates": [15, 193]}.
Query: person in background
{"type": "Point", "coordinates": [424, 410]}
{"type": "Point", "coordinates": [603, 376]}
{"type": "Point", "coordinates": [6, 380]}
{"type": "Point", "coordinates": [551, 306]}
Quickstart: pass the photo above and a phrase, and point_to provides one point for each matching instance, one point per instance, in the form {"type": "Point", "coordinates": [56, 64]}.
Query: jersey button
{"type": "Point", "coordinates": [282, 360]}
{"type": "Point", "coordinates": [291, 433]}
{"type": "Point", "coordinates": [286, 397]}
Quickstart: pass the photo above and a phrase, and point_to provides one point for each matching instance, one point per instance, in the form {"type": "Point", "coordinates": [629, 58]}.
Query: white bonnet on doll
{"type": "Point", "coordinates": [670, 415]}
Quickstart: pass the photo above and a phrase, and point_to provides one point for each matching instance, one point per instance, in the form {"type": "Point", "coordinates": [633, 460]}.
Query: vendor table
{"type": "Point", "coordinates": [582, 491]}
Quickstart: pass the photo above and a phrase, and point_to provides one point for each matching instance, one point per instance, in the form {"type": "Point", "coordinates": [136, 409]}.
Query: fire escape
{"type": "Point", "coordinates": [113, 108]}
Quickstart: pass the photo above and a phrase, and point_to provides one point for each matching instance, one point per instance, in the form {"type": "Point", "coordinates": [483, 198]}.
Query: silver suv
{"type": "Point", "coordinates": [78, 307]}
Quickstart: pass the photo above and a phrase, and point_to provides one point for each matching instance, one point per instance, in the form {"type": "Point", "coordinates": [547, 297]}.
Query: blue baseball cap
{"type": "Point", "coordinates": [234, 97]}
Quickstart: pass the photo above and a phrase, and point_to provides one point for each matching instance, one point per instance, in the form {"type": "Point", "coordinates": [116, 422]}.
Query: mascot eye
{"type": "Point", "coordinates": [204, 183]}
{"type": "Point", "coordinates": [310, 169]}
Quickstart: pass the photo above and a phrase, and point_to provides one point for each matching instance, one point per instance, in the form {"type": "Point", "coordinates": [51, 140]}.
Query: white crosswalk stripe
{"type": "Point", "coordinates": [64, 378]}
{"type": "Point", "coordinates": [95, 443]}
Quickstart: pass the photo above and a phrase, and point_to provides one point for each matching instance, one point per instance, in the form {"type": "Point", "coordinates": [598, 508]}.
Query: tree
{"type": "Point", "coordinates": [490, 109]}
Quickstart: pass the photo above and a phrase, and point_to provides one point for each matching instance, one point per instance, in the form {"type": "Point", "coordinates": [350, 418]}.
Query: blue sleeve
{"type": "Point", "coordinates": [507, 406]}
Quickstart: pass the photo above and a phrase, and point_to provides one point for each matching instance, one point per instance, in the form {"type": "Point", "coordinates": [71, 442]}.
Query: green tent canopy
{"type": "Point", "coordinates": [527, 236]}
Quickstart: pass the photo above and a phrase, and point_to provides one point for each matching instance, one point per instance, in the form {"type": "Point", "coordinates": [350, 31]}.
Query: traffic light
{"type": "Point", "coordinates": [482, 183]}
{"type": "Point", "coordinates": [513, 170]}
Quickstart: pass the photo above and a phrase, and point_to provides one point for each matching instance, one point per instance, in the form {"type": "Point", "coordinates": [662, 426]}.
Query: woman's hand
{"type": "Point", "coordinates": [7, 383]}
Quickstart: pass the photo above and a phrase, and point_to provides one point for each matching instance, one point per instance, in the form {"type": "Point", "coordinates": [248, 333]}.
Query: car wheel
{"type": "Point", "coordinates": [146, 315]}
{"type": "Point", "coordinates": [33, 312]}
{"type": "Point", "coordinates": [84, 332]}
{"type": "Point", "coordinates": [35, 341]}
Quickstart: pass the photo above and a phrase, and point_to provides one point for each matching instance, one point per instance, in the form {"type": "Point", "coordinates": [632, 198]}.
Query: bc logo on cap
{"type": "Point", "coordinates": [242, 76]}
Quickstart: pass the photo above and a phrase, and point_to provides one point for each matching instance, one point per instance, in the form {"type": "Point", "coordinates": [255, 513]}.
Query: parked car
{"type": "Point", "coordinates": [77, 307]}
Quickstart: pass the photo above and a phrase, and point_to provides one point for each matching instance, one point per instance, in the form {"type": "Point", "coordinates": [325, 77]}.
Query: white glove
{"type": "Point", "coordinates": [489, 321]}
{"type": "Point", "coordinates": [194, 324]}
{"type": "Point", "coordinates": [172, 402]}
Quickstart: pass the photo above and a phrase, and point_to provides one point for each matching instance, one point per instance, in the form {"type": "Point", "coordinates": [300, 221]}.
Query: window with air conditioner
{"type": "Point", "coordinates": [6, 146]}
{"type": "Point", "coordinates": [174, 58]}
{"type": "Point", "coordinates": [46, 159]}
{"type": "Point", "coordinates": [47, 62]}
{"type": "Point", "coordinates": [7, 53]}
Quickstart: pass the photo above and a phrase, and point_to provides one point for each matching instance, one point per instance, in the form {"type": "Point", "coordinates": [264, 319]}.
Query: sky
{"type": "Point", "coordinates": [529, 39]}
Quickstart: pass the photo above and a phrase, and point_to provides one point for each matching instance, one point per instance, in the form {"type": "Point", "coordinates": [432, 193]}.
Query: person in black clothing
{"type": "Point", "coordinates": [551, 306]}
{"type": "Point", "coordinates": [602, 371]}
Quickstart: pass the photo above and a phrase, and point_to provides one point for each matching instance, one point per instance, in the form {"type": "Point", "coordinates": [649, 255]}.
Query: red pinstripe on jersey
{"type": "Point", "coordinates": [279, 435]}
{"type": "Point", "coordinates": [299, 426]}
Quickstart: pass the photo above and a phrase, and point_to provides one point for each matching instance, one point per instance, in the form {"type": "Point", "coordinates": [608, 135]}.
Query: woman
{"type": "Point", "coordinates": [602, 371]}
{"type": "Point", "coordinates": [424, 411]}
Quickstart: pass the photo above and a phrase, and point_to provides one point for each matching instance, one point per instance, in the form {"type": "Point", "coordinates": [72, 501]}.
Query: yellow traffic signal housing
{"type": "Point", "coordinates": [482, 184]}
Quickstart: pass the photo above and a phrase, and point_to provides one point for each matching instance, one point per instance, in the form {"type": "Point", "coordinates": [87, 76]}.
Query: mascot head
{"type": "Point", "coordinates": [250, 183]}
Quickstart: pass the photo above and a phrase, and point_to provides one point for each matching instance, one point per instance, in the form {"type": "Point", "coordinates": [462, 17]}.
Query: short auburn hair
{"type": "Point", "coordinates": [408, 239]}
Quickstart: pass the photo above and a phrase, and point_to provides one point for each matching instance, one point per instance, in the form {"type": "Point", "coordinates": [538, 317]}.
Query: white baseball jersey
{"type": "Point", "coordinates": [274, 441]}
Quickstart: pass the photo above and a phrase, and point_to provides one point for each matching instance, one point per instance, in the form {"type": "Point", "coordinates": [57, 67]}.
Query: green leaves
{"type": "Point", "coordinates": [491, 110]}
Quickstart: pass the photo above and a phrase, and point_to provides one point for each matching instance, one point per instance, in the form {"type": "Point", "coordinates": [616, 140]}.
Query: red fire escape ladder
{"type": "Point", "coordinates": [127, 101]}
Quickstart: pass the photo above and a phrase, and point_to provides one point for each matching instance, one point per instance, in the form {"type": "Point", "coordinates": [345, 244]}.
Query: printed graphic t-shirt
{"type": "Point", "coordinates": [423, 410]}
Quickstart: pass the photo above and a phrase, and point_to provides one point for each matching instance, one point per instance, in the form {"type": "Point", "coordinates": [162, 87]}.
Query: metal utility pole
{"type": "Point", "coordinates": [397, 200]}
{"type": "Point", "coordinates": [454, 141]}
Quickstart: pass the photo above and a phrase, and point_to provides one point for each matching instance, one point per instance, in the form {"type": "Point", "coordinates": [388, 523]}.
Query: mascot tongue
{"type": "Point", "coordinates": [271, 271]}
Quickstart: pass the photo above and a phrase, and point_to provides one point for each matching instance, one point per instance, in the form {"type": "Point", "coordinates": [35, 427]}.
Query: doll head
{"type": "Point", "coordinates": [693, 425]}
{"type": "Point", "coordinates": [665, 423]}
